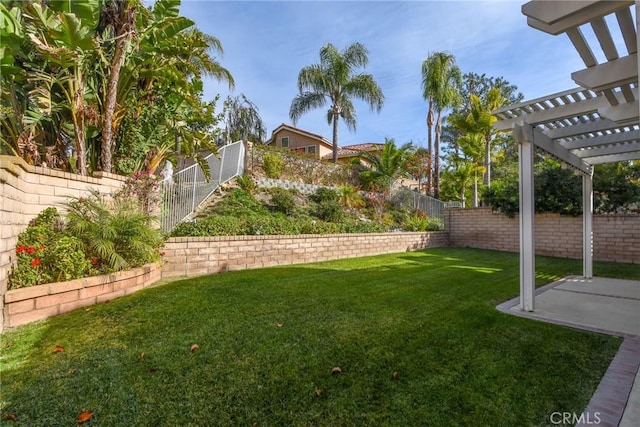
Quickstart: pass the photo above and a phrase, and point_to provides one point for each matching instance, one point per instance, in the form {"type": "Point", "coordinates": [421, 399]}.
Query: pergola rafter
{"type": "Point", "coordinates": [598, 122]}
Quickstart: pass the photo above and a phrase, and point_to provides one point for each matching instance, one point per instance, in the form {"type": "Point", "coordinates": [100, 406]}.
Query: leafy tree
{"type": "Point", "coordinates": [616, 187]}
{"type": "Point", "coordinates": [441, 80]}
{"type": "Point", "coordinates": [242, 120]}
{"type": "Point", "coordinates": [387, 164]}
{"type": "Point", "coordinates": [419, 166]}
{"type": "Point", "coordinates": [334, 79]}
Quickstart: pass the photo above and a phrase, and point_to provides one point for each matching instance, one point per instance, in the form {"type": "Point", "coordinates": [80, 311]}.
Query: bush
{"type": "Point", "coordinates": [246, 183]}
{"type": "Point", "coordinates": [45, 254]}
{"type": "Point", "coordinates": [419, 221]}
{"type": "Point", "coordinates": [350, 198]}
{"type": "Point", "coordinates": [272, 164]}
{"type": "Point", "coordinates": [282, 200]}
{"type": "Point", "coordinates": [323, 194]}
{"type": "Point", "coordinates": [119, 236]}
{"type": "Point", "coordinates": [217, 225]}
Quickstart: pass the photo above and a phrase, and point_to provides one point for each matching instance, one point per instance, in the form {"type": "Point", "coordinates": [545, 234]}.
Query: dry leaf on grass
{"type": "Point", "coordinates": [336, 370]}
{"type": "Point", "coordinates": [194, 347]}
{"type": "Point", "coordinates": [279, 325]}
{"type": "Point", "coordinates": [394, 375]}
{"type": "Point", "coordinates": [84, 417]}
{"type": "Point", "coordinates": [142, 355]}
{"type": "Point", "coordinates": [10, 417]}
{"type": "Point", "coordinates": [318, 391]}
{"type": "Point", "coordinates": [58, 349]}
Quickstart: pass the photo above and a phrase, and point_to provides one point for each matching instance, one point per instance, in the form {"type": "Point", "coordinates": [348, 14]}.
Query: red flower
{"type": "Point", "coordinates": [21, 249]}
{"type": "Point", "coordinates": [163, 253]}
{"type": "Point", "coordinates": [31, 250]}
{"type": "Point", "coordinates": [41, 247]}
{"type": "Point", "coordinates": [95, 260]}
{"type": "Point", "coordinates": [35, 262]}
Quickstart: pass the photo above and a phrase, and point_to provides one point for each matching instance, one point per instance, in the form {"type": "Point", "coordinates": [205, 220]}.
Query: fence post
{"type": "Point", "coordinates": [193, 193]}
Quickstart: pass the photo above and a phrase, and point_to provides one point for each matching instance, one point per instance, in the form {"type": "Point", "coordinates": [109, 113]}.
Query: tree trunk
{"type": "Point", "coordinates": [430, 146]}
{"type": "Point", "coordinates": [77, 115]}
{"type": "Point", "coordinates": [436, 160]}
{"type": "Point", "coordinates": [108, 140]}
{"type": "Point", "coordinates": [335, 137]}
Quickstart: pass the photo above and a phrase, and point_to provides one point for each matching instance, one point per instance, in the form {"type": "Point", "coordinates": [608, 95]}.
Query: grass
{"type": "Point", "coordinates": [268, 340]}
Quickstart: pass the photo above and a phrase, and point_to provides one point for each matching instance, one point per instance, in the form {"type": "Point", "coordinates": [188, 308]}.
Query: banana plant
{"type": "Point", "coordinates": [65, 40]}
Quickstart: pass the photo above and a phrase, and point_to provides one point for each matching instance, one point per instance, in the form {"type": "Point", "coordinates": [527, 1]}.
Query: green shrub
{"type": "Point", "coordinates": [272, 225]}
{"type": "Point", "coordinates": [246, 183]}
{"type": "Point", "coordinates": [323, 194]}
{"type": "Point", "coordinates": [282, 200]}
{"type": "Point", "coordinates": [239, 202]}
{"type": "Point", "coordinates": [216, 225]}
{"type": "Point", "coordinates": [272, 164]}
{"type": "Point", "coordinates": [45, 254]}
{"type": "Point", "coordinates": [120, 236]}
{"type": "Point", "coordinates": [310, 226]}
{"type": "Point", "coordinates": [419, 221]}
{"type": "Point", "coordinates": [350, 198]}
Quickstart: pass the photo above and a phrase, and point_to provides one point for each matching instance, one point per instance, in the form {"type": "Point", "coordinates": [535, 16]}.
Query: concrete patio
{"type": "Point", "coordinates": [608, 306]}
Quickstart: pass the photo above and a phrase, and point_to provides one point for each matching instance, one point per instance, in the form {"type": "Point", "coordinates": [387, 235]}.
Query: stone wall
{"type": "Point", "coordinates": [27, 305]}
{"type": "Point", "coordinates": [27, 190]}
{"type": "Point", "coordinates": [616, 238]}
{"type": "Point", "coordinates": [190, 256]}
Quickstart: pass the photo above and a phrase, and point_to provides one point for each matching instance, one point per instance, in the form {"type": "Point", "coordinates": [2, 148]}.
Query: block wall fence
{"type": "Point", "coordinates": [616, 238]}
{"type": "Point", "coordinates": [27, 190]}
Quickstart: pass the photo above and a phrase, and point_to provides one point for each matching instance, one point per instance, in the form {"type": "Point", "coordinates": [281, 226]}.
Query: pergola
{"type": "Point", "coordinates": [598, 122]}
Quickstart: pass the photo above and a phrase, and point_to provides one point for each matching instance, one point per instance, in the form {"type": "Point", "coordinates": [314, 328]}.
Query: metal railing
{"type": "Point", "coordinates": [434, 208]}
{"type": "Point", "coordinates": [185, 190]}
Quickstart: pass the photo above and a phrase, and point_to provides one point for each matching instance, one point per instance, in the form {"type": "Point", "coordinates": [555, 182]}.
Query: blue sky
{"type": "Point", "coordinates": [266, 43]}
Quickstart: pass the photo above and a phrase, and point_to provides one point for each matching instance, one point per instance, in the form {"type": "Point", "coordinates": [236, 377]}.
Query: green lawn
{"type": "Point", "coordinates": [268, 340]}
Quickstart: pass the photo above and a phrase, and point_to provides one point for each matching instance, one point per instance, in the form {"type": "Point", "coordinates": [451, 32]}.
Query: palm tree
{"type": "Point", "coordinates": [480, 121]}
{"type": "Point", "coordinates": [389, 163]}
{"type": "Point", "coordinates": [441, 80]}
{"type": "Point", "coordinates": [333, 79]}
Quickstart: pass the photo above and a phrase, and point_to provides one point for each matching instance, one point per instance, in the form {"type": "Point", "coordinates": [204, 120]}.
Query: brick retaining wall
{"type": "Point", "coordinates": [189, 256]}
{"type": "Point", "coordinates": [616, 238]}
{"type": "Point", "coordinates": [27, 305]}
{"type": "Point", "coordinates": [27, 190]}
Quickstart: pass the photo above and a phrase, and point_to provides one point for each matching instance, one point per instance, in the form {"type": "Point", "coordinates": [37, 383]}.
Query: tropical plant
{"type": "Point", "coordinates": [116, 232]}
{"type": "Point", "coordinates": [350, 198]}
{"type": "Point", "coordinates": [334, 80]}
{"type": "Point", "coordinates": [441, 81]}
{"type": "Point", "coordinates": [387, 164]}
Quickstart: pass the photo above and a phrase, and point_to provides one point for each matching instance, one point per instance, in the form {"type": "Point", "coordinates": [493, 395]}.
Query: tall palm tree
{"type": "Point", "coordinates": [441, 80]}
{"type": "Point", "coordinates": [334, 79]}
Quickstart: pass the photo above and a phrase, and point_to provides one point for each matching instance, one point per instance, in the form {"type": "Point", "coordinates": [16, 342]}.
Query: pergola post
{"type": "Point", "coordinates": [524, 136]}
{"type": "Point", "coordinates": [587, 226]}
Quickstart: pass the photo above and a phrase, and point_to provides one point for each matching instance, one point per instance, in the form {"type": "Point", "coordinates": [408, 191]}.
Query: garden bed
{"type": "Point", "coordinates": [33, 303]}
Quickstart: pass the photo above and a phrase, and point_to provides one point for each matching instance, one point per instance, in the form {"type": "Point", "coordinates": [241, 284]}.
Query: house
{"type": "Point", "coordinates": [350, 152]}
{"type": "Point", "coordinates": [302, 141]}
{"type": "Point", "coordinates": [317, 146]}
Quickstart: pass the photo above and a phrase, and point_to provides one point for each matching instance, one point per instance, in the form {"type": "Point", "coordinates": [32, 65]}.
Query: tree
{"type": "Point", "coordinates": [387, 164]}
{"type": "Point", "coordinates": [419, 166]}
{"type": "Point", "coordinates": [118, 23]}
{"type": "Point", "coordinates": [441, 80]}
{"type": "Point", "coordinates": [480, 95]}
{"type": "Point", "coordinates": [242, 120]}
{"type": "Point", "coordinates": [334, 79]}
